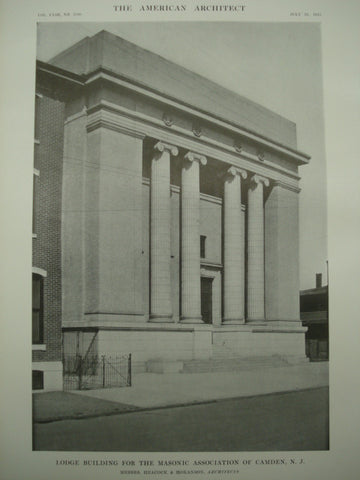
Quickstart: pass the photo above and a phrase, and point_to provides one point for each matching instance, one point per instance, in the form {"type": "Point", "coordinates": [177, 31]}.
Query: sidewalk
{"type": "Point", "coordinates": [151, 390]}
{"type": "Point", "coordinates": [158, 390]}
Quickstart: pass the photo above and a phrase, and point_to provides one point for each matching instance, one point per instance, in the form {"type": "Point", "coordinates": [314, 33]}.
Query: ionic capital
{"type": "Point", "coordinates": [161, 147]}
{"type": "Point", "coordinates": [257, 179]}
{"type": "Point", "coordinates": [233, 171]}
{"type": "Point", "coordinates": [195, 157]}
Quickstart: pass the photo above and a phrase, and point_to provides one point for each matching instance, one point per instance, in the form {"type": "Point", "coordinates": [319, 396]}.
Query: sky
{"type": "Point", "coordinates": [277, 65]}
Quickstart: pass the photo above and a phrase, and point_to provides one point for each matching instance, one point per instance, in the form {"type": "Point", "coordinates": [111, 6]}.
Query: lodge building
{"type": "Point", "coordinates": [172, 209]}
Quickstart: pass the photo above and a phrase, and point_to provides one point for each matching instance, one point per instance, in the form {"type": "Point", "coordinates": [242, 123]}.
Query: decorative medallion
{"type": "Point", "coordinates": [261, 155]}
{"type": "Point", "coordinates": [168, 119]}
{"type": "Point", "coordinates": [197, 130]}
{"type": "Point", "coordinates": [237, 146]}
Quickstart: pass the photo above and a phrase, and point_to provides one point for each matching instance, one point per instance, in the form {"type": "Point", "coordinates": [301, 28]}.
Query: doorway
{"type": "Point", "coordinates": [206, 299]}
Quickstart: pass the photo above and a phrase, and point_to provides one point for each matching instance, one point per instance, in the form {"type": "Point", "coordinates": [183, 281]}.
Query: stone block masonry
{"type": "Point", "coordinates": [179, 228]}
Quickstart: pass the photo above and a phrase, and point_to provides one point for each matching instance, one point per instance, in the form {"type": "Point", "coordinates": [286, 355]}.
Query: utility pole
{"type": "Point", "coordinates": [327, 272]}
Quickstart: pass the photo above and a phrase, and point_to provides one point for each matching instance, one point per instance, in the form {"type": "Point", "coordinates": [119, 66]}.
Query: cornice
{"type": "Point", "coordinates": [215, 266]}
{"type": "Point", "coordinates": [99, 120]}
{"type": "Point", "coordinates": [60, 73]}
{"type": "Point", "coordinates": [279, 183]}
{"type": "Point", "coordinates": [295, 155]}
{"type": "Point", "coordinates": [210, 198]}
{"type": "Point", "coordinates": [203, 196]}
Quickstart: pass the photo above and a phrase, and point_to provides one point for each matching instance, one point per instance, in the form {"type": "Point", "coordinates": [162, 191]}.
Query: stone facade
{"type": "Point", "coordinates": [179, 233]}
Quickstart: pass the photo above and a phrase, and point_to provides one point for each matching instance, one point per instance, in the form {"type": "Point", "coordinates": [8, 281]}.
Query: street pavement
{"type": "Point", "coordinates": [293, 421]}
{"type": "Point", "coordinates": [54, 406]}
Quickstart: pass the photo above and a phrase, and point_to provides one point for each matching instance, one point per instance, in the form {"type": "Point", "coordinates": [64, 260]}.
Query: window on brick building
{"type": "Point", "coordinates": [37, 309]}
{"type": "Point", "coordinates": [202, 246]}
{"type": "Point", "coordinates": [36, 175]}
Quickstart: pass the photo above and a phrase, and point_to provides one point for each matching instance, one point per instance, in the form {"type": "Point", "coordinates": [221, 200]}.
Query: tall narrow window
{"type": "Point", "coordinates": [35, 200]}
{"type": "Point", "coordinates": [37, 309]}
{"type": "Point", "coordinates": [38, 98]}
{"type": "Point", "coordinates": [202, 246]}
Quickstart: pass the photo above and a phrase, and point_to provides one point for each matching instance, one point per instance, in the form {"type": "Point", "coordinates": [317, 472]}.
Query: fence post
{"type": "Point", "coordinates": [80, 371]}
{"type": "Point", "coordinates": [129, 371]}
{"type": "Point", "coordinates": [103, 370]}
{"type": "Point", "coordinates": [63, 369]}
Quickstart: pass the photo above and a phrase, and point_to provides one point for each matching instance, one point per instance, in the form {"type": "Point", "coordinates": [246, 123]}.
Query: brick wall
{"type": "Point", "coordinates": [48, 160]}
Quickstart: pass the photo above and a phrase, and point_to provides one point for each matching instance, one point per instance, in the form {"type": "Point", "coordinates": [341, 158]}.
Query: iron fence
{"type": "Point", "coordinates": [85, 372]}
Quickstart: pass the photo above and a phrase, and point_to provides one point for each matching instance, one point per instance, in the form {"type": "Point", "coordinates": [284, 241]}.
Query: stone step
{"type": "Point", "coordinates": [228, 364]}
{"type": "Point", "coordinates": [138, 367]}
{"type": "Point", "coordinates": [233, 364]}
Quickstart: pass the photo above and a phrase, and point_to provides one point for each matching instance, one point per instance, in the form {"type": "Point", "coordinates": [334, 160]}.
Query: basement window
{"type": "Point", "coordinates": [37, 380]}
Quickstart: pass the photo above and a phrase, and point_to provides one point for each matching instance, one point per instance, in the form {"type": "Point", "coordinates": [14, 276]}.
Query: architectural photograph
{"type": "Point", "coordinates": [179, 221]}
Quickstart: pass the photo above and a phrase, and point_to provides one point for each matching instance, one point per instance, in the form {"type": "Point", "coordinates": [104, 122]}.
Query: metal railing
{"type": "Point", "coordinates": [85, 372]}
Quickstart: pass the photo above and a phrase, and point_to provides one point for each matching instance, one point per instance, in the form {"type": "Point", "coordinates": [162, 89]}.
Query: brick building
{"type": "Point", "coordinates": [50, 101]}
{"type": "Point", "coordinates": [314, 314]}
{"type": "Point", "coordinates": [167, 213]}
{"type": "Point", "coordinates": [46, 276]}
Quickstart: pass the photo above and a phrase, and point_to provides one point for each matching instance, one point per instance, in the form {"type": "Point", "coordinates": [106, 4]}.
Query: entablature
{"type": "Point", "coordinates": [118, 118]}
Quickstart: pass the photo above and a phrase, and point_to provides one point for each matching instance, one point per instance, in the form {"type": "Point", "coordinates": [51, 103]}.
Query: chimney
{"type": "Point", "coordinates": [318, 280]}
